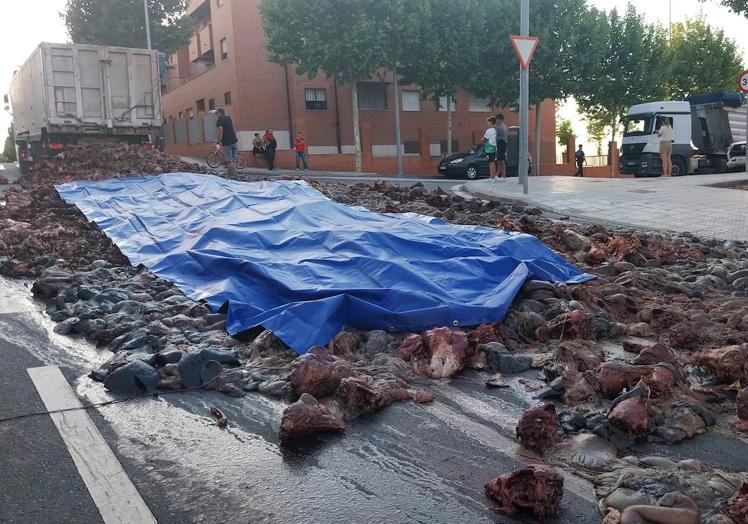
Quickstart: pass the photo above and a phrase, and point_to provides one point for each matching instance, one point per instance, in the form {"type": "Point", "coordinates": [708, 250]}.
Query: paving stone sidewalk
{"type": "Point", "coordinates": [672, 204]}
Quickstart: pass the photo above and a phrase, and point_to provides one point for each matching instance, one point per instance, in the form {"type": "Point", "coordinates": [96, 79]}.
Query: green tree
{"type": "Point", "coordinates": [633, 68]}
{"type": "Point", "coordinates": [569, 46]}
{"type": "Point", "coordinates": [122, 23]}
{"type": "Point", "coordinates": [347, 40]}
{"type": "Point", "coordinates": [564, 132]}
{"type": "Point", "coordinates": [9, 151]}
{"type": "Point", "coordinates": [596, 132]}
{"type": "Point", "coordinates": [441, 62]}
{"type": "Point", "coordinates": [737, 6]}
{"type": "Point", "coordinates": [701, 60]}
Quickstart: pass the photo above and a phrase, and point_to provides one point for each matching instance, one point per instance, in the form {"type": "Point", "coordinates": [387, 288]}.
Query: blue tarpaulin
{"type": "Point", "coordinates": [283, 256]}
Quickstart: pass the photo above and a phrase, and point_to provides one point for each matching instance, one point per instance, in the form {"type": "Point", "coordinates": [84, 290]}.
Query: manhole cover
{"type": "Point", "coordinates": [641, 191]}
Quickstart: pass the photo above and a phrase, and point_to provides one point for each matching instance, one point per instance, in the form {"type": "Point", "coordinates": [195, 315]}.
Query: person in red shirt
{"type": "Point", "coordinates": [301, 151]}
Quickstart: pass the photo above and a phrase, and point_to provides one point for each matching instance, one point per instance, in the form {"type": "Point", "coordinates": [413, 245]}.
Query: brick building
{"type": "Point", "coordinates": [225, 65]}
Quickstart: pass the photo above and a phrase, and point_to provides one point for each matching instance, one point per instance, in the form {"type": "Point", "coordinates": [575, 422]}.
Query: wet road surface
{"type": "Point", "coordinates": [408, 463]}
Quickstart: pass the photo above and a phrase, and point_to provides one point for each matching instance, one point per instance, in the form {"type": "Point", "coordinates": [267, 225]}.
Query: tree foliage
{"type": "Point", "coordinates": [560, 60]}
{"type": "Point", "coordinates": [632, 67]}
{"type": "Point", "coordinates": [564, 132]}
{"type": "Point", "coordinates": [701, 59]}
{"type": "Point", "coordinates": [348, 40]}
{"type": "Point", "coordinates": [436, 60]}
{"type": "Point", "coordinates": [596, 131]}
{"type": "Point", "coordinates": [9, 150]}
{"type": "Point", "coordinates": [737, 6]}
{"type": "Point", "coordinates": [122, 23]}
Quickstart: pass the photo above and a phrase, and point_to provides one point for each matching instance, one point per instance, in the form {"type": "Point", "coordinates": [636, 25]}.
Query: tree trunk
{"type": "Point", "coordinates": [537, 140]}
{"type": "Point", "coordinates": [611, 147]}
{"type": "Point", "coordinates": [398, 137]}
{"type": "Point", "coordinates": [449, 124]}
{"type": "Point", "coordinates": [356, 129]}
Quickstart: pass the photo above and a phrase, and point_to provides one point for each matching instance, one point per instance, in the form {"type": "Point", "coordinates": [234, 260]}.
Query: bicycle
{"type": "Point", "coordinates": [215, 159]}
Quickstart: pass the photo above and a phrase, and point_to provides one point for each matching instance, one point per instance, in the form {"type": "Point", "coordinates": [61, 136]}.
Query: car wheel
{"type": "Point", "coordinates": [471, 173]}
{"type": "Point", "coordinates": [679, 167]}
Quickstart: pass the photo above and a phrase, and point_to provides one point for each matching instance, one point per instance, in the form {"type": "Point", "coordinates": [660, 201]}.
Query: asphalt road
{"type": "Point", "coordinates": [408, 463]}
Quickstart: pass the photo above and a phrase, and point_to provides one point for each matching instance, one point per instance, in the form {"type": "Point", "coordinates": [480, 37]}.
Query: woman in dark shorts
{"type": "Point", "coordinates": [257, 149]}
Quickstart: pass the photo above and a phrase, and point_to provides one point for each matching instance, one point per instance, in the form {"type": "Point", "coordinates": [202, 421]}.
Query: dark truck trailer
{"type": "Point", "coordinates": [704, 129]}
{"type": "Point", "coordinates": [69, 94]}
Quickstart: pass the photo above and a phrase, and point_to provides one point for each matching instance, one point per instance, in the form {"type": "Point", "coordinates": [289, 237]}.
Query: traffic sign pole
{"type": "Point", "coordinates": [743, 85]}
{"type": "Point", "coordinates": [524, 47]}
{"type": "Point", "coordinates": [524, 100]}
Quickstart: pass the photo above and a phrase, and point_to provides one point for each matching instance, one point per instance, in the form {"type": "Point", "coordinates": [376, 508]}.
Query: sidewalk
{"type": "Point", "coordinates": [675, 204]}
{"type": "Point", "coordinates": [364, 176]}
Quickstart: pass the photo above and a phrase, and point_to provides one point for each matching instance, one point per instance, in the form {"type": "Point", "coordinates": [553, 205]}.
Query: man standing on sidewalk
{"type": "Point", "coordinates": [502, 139]}
{"type": "Point", "coordinates": [300, 145]}
{"type": "Point", "coordinates": [227, 139]}
{"type": "Point", "coordinates": [489, 147]}
{"type": "Point", "coordinates": [581, 160]}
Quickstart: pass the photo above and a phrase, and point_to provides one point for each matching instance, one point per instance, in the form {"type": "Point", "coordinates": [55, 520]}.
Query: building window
{"type": "Point", "coordinates": [219, 3]}
{"type": "Point", "coordinates": [227, 98]}
{"type": "Point", "coordinates": [200, 104]}
{"type": "Point", "coordinates": [479, 105]}
{"type": "Point", "coordinates": [315, 99]}
{"type": "Point", "coordinates": [411, 147]}
{"type": "Point", "coordinates": [224, 49]}
{"type": "Point", "coordinates": [189, 112]}
{"type": "Point", "coordinates": [211, 104]}
{"type": "Point", "coordinates": [372, 96]}
{"type": "Point", "coordinates": [411, 101]}
{"type": "Point", "coordinates": [180, 115]}
{"type": "Point", "coordinates": [443, 104]}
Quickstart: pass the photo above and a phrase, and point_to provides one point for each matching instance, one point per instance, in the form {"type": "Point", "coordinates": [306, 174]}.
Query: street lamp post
{"type": "Point", "coordinates": [147, 25]}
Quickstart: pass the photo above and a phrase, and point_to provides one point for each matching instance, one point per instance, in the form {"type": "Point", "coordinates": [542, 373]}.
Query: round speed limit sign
{"type": "Point", "coordinates": [743, 81]}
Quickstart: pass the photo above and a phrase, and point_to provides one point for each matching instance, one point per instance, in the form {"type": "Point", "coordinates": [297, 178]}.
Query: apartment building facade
{"type": "Point", "coordinates": [225, 65]}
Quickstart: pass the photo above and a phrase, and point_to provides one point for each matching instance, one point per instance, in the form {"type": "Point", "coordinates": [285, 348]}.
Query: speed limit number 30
{"type": "Point", "coordinates": [743, 81]}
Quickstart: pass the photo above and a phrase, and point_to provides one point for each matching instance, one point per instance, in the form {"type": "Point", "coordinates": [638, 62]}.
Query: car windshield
{"type": "Point", "coordinates": [637, 125]}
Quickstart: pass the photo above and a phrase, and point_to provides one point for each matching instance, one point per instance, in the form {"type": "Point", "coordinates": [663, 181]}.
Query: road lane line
{"type": "Point", "coordinates": [111, 489]}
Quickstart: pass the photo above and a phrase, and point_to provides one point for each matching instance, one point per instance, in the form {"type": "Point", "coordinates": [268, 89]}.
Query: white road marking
{"type": "Point", "coordinates": [2, 167]}
{"type": "Point", "coordinates": [111, 489]}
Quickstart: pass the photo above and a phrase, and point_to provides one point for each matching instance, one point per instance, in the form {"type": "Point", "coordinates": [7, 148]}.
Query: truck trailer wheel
{"type": "Point", "coordinates": [679, 167]}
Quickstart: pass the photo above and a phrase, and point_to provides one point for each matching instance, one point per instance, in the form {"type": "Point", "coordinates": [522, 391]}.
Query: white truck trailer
{"type": "Point", "coordinates": [704, 128]}
{"type": "Point", "coordinates": [73, 94]}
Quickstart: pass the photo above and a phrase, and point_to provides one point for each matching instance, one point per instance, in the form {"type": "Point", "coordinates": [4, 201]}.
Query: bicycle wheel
{"type": "Point", "coordinates": [241, 161]}
{"type": "Point", "coordinates": [214, 159]}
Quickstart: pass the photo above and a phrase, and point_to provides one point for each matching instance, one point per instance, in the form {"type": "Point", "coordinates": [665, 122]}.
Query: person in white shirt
{"type": "Point", "coordinates": [666, 145]}
{"type": "Point", "coordinates": [489, 146]}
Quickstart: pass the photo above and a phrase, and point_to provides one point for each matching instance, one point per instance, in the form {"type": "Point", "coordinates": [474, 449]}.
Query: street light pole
{"type": "Point", "coordinates": [524, 102]}
{"type": "Point", "coordinates": [147, 25]}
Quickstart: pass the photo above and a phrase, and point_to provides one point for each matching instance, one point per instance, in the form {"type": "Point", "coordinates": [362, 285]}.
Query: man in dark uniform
{"type": "Point", "coordinates": [581, 160]}
{"type": "Point", "coordinates": [227, 139]}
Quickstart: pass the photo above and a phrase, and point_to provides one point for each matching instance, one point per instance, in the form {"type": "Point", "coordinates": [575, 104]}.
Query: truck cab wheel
{"type": "Point", "coordinates": [679, 167]}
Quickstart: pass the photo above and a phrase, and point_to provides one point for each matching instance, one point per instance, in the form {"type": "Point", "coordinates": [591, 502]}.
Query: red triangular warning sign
{"type": "Point", "coordinates": [524, 47]}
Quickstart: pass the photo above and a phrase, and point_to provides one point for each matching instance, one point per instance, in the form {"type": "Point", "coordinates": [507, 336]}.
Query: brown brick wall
{"type": "Point", "coordinates": [259, 100]}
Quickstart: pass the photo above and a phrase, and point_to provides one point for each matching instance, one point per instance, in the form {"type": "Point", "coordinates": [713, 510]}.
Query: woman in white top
{"type": "Point", "coordinates": [666, 145]}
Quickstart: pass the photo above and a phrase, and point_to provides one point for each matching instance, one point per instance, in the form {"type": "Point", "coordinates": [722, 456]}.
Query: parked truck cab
{"type": "Point", "coordinates": [704, 127]}
{"type": "Point", "coordinates": [641, 145]}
